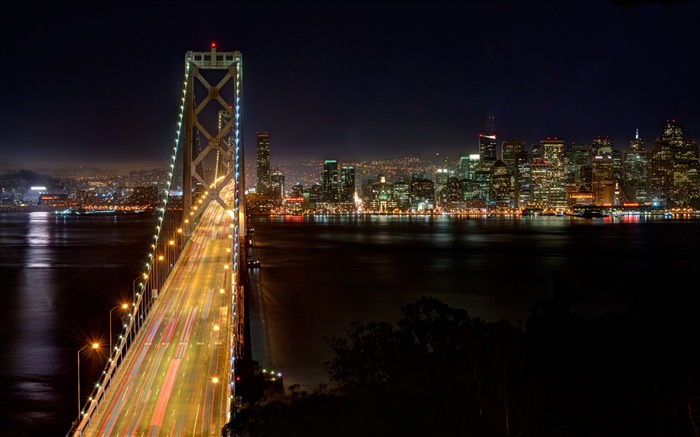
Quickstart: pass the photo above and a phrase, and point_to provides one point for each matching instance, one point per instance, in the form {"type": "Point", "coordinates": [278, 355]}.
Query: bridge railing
{"type": "Point", "coordinates": [136, 319]}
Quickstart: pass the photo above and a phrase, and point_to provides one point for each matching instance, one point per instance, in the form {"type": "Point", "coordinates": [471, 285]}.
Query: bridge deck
{"type": "Point", "coordinates": [164, 387]}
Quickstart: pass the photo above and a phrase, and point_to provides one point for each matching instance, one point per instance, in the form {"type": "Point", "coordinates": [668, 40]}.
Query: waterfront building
{"type": "Point", "coordinates": [552, 150]}
{"type": "Point", "coordinates": [468, 166]}
{"type": "Point", "coordinates": [347, 183]}
{"type": "Point", "coordinates": [453, 198]}
{"type": "Point", "coordinates": [422, 193]}
{"type": "Point", "coordinates": [314, 195]}
{"type": "Point", "coordinates": [501, 184]}
{"type": "Point", "coordinates": [603, 181]}
{"type": "Point", "coordinates": [440, 179]}
{"type": "Point", "coordinates": [277, 185]}
{"type": "Point", "coordinates": [578, 168]}
{"type": "Point", "coordinates": [329, 181]}
{"type": "Point", "coordinates": [263, 163]}
{"type": "Point", "coordinates": [523, 179]}
{"type": "Point", "coordinates": [635, 171]}
{"type": "Point", "coordinates": [380, 195]}
{"type": "Point", "coordinates": [145, 196]}
{"type": "Point", "coordinates": [663, 163]}
{"type": "Point", "coordinates": [686, 173]}
{"type": "Point", "coordinates": [539, 172]}
{"type": "Point", "coordinates": [482, 185]}
{"type": "Point", "coordinates": [510, 150]}
{"type": "Point", "coordinates": [488, 147]}
{"type": "Point", "coordinates": [297, 190]}
{"type": "Point", "coordinates": [463, 168]}
{"type": "Point", "coordinates": [402, 194]}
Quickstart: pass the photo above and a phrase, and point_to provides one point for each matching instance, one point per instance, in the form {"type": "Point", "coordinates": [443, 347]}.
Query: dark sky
{"type": "Point", "coordinates": [99, 81]}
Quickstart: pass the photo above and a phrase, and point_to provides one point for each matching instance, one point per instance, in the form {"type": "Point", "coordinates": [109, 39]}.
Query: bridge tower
{"type": "Point", "coordinates": [212, 113]}
{"type": "Point", "coordinates": [212, 100]}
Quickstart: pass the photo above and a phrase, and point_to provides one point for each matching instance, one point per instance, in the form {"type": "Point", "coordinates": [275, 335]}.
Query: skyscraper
{"type": "Point", "coordinates": [488, 153]}
{"type": "Point", "coordinates": [422, 193]}
{"type": "Point", "coordinates": [603, 181]}
{"type": "Point", "coordinates": [277, 185]}
{"type": "Point", "coordinates": [603, 171]}
{"type": "Point", "coordinates": [263, 163]}
{"type": "Point", "coordinates": [329, 181]}
{"type": "Point", "coordinates": [500, 184]}
{"type": "Point", "coordinates": [510, 150]}
{"type": "Point", "coordinates": [663, 163]}
{"type": "Point", "coordinates": [555, 181]}
{"type": "Point", "coordinates": [440, 179]}
{"type": "Point", "coordinates": [636, 171]}
{"type": "Point", "coordinates": [523, 179]}
{"type": "Point", "coordinates": [347, 183]}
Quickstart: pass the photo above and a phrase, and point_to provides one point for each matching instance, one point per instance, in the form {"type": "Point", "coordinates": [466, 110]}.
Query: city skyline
{"type": "Point", "coordinates": [350, 81]}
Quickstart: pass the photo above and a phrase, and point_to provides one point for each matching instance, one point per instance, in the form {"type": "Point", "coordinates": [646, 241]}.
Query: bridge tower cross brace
{"type": "Point", "coordinates": [222, 138]}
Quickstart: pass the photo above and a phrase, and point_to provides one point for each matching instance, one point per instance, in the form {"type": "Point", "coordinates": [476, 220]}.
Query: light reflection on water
{"type": "Point", "coordinates": [58, 277]}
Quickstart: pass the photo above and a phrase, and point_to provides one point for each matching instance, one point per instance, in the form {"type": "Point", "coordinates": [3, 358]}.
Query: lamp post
{"type": "Point", "coordinates": [133, 287]}
{"type": "Point", "coordinates": [161, 273]}
{"type": "Point", "coordinates": [124, 306]}
{"type": "Point", "coordinates": [93, 346]}
{"type": "Point", "coordinates": [171, 254]}
{"type": "Point", "coordinates": [216, 379]}
{"type": "Point", "coordinates": [132, 313]}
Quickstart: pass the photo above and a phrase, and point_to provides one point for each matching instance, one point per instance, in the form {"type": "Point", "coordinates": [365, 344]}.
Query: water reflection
{"type": "Point", "coordinates": [322, 273]}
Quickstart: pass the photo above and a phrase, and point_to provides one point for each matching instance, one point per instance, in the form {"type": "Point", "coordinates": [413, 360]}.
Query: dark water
{"type": "Point", "coordinates": [60, 277]}
{"type": "Point", "coordinates": [320, 274]}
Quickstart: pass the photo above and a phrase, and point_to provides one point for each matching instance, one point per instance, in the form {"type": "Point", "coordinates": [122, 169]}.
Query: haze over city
{"type": "Point", "coordinates": [97, 83]}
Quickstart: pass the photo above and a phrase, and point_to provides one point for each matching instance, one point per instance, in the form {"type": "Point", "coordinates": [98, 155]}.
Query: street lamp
{"type": "Point", "coordinates": [159, 272]}
{"type": "Point", "coordinates": [124, 306]}
{"type": "Point", "coordinates": [133, 285]}
{"type": "Point", "coordinates": [217, 328]}
{"type": "Point", "coordinates": [133, 304]}
{"type": "Point", "coordinates": [93, 346]}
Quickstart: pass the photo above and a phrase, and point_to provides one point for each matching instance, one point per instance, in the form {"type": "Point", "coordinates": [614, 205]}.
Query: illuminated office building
{"type": "Point", "coordinates": [380, 195]}
{"type": "Point", "coordinates": [523, 179]}
{"type": "Point", "coordinates": [440, 179]}
{"type": "Point", "coordinates": [329, 181]}
{"type": "Point", "coordinates": [277, 185]}
{"type": "Point", "coordinates": [603, 181]}
{"type": "Point", "coordinates": [500, 184]}
{"type": "Point", "coordinates": [539, 172]}
{"type": "Point", "coordinates": [453, 198]}
{"type": "Point", "coordinates": [488, 148]}
{"type": "Point", "coordinates": [297, 190]}
{"type": "Point", "coordinates": [636, 171]}
{"type": "Point", "coordinates": [686, 174]}
{"type": "Point", "coordinates": [422, 193]}
{"type": "Point", "coordinates": [579, 168]}
{"type": "Point", "coordinates": [663, 163]}
{"type": "Point", "coordinates": [555, 196]}
{"type": "Point", "coordinates": [402, 194]}
{"type": "Point", "coordinates": [347, 183]}
{"type": "Point", "coordinates": [510, 150]}
{"type": "Point", "coordinates": [482, 184]}
{"type": "Point", "coordinates": [263, 163]}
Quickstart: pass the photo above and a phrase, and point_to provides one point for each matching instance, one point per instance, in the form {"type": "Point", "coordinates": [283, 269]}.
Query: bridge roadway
{"type": "Point", "coordinates": [164, 387]}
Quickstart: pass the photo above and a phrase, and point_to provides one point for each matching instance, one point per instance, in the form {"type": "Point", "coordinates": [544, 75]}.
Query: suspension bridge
{"type": "Point", "coordinates": [175, 368]}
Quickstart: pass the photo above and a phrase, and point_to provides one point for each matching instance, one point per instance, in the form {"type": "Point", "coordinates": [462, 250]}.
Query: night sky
{"type": "Point", "coordinates": [99, 82]}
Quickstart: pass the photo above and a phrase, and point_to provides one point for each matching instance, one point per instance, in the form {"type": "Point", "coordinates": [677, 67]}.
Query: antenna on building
{"type": "Point", "coordinates": [636, 134]}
